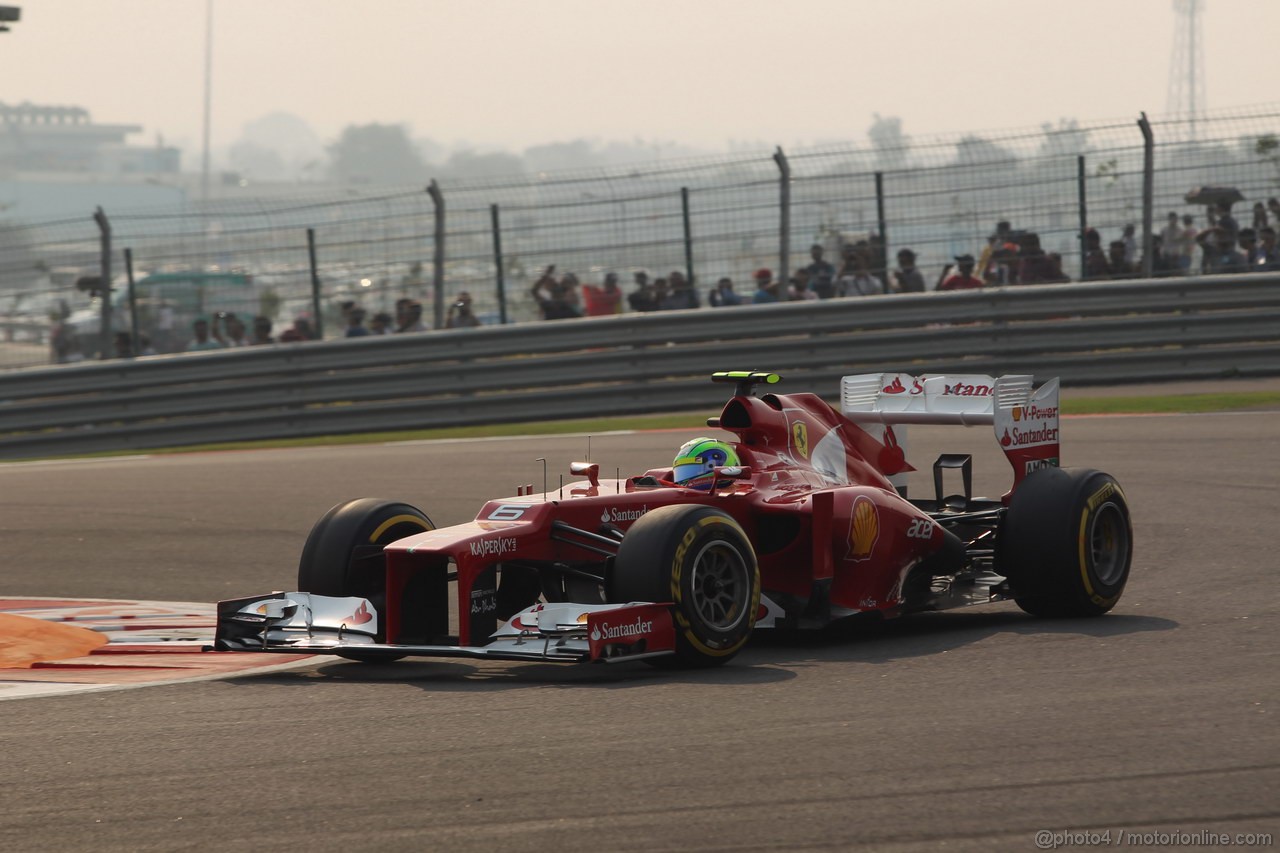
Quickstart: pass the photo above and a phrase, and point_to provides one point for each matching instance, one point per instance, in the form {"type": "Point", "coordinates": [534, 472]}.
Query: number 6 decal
{"type": "Point", "coordinates": [507, 512]}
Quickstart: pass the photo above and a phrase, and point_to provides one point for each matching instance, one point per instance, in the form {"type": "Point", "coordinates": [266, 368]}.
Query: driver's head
{"type": "Point", "coordinates": [697, 459]}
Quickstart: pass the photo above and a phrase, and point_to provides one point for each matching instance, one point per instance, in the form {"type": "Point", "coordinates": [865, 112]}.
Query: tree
{"type": "Point", "coordinates": [376, 154]}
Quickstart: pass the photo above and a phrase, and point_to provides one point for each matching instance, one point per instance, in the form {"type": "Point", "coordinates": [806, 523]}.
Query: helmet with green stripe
{"type": "Point", "coordinates": [697, 460]}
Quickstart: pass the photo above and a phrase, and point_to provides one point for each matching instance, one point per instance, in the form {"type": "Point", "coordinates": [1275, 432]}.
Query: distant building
{"type": "Point", "coordinates": [55, 162]}
{"type": "Point", "coordinates": [64, 139]}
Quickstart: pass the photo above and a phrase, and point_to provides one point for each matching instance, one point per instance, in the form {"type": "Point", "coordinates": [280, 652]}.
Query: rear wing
{"type": "Point", "coordinates": [1025, 419]}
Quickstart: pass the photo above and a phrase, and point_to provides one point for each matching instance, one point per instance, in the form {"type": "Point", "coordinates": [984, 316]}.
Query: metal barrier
{"type": "Point", "coordinates": [1086, 333]}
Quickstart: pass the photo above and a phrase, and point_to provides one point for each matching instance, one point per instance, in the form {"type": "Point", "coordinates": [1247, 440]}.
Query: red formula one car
{"type": "Point", "coordinates": [803, 520]}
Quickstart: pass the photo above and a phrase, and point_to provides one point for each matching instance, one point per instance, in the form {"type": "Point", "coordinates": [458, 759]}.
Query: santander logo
{"type": "Point", "coordinates": [605, 631]}
{"type": "Point", "coordinates": [361, 615]}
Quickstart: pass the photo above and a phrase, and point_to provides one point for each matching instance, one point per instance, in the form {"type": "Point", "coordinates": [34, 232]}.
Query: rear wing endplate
{"type": "Point", "coordinates": [1025, 419]}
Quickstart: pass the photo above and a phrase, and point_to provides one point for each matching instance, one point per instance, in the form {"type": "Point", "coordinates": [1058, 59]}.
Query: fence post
{"type": "Point", "coordinates": [437, 301]}
{"type": "Point", "coordinates": [1083, 207]}
{"type": "Point", "coordinates": [497, 264]}
{"type": "Point", "coordinates": [1148, 194]}
{"type": "Point", "coordinates": [883, 228]}
{"type": "Point", "coordinates": [315, 284]}
{"type": "Point", "coordinates": [784, 218]}
{"type": "Point", "coordinates": [133, 300]}
{"type": "Point", "coordinates": [688, 236]}
{"type": "Point", "coordinates": [104, 334]}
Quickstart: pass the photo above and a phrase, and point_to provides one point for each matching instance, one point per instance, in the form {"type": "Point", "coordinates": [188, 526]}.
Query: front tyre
{"type": "Point", "coordinates": [699, 559]}
{"type": "Point", "coordinates": [1066, 543]}
{"type": "Point", "coordinates": [343, 555]}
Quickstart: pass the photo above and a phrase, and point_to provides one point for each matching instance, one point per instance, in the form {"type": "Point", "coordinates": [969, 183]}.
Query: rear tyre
{"type": "Point", "coordinates": [698, 558]}
{"type": "Point", "coordinates": [343, 554]}
{"type": "Point", "coordinates": [1066, 543]}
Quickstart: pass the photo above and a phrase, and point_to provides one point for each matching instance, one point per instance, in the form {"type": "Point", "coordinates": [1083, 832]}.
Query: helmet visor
{"type": "Point", "coordinates": [686, 471]}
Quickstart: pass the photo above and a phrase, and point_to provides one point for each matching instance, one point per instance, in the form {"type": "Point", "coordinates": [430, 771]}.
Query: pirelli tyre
{"type": "Point", "coordinates": [698, 558]}
{"type": "Point", "coordinates": [343, 553]}
{"type": "Point", "coordinates": [1066, 543]}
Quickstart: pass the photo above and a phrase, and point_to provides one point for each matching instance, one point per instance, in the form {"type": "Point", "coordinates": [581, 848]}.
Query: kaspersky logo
{"type": "Point", "coordinates": [605, 631]}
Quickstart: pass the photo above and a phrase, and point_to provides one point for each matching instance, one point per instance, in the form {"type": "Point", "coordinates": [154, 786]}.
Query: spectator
{"type": "Point", "coordinates": [570, 287]}
{"type": "Point", "coordinates": [766, 290]}
{"type": "Point", "coordinates": [822, 274]}
{"type": "Point", "coordinates": [262, 331]}
{"type": "Point", "coordinates": [1096, 265]}
{"type": "Point", "coordinates": [1004, 234]}
{"type": "Point", "coordinates": [1161, 264]}
{"type": "Point", "coordinates": [1171, 243]}
{"type": "Point", "coordinates": [1130, 244]}
{"type": "Point", "coordinates": [460, 314]}
{"type": "Point", "coordinates": [300, 331]}
{"type": "Point", "coordinates": [1187, 243]}
{"type": "Point", "coordinates": [660, 293]}
{"type": "Point", "coordinates": [908, 278]}
{"type": "Point", "coordinates": [605, 300]}
{"type": "Point", "coordinates": [201, 341]}
{"type": "Point", "coordinates": [1034, 266]}
{"type": "Point", "coordinates": [799, 291]}
{"type": "Point", "coordinates": [723, 295]}
{"type": "Point", "coordinates": [1249, 246]}
{"type": "Point", "coordinates": [144, 346]}
{"type": "Point", "coordinates": [856, 278]}
{"type": "Point", "coordinates": [1268, 255]}
{"type": "Point", "coordinates": [379, 325]}
{"type": "Point", "coordinates": [412, 318]}
{"type": "Point", "coordinates": [1273, 207]}
{"type": "Point", "coordinates": [876, 261]}
{"type": "Point", "coordinates": [123, 342]}
{"type": "Point", "coordinates": [642, 298]}
{"type": "Point", "coordinates": [166, 327]}
{"type": "Point", "coordinates": [1003, 268]}
{"type": "Point", "coordinates": [1226, 221]}
{"type": "Point", "coordinates": [1117, 266]}
{"type": "Point", "coordinates": [1220, 255]}
{"type": "Point", "coordinates": [355, 324]}
{"type": "Point", "coordinates": [681, 294]}
{"type": "Point", "coordinates": [1055, 264]}
{"type": "Point", "coordinates": [1259, 217]}
{"type": "Point", "coordinates": [235, 335]}
{"type": "Point", "coordinates": [964, 279]}
{"type": "Point", "coordinates": [544, 292]}
{"type": "Point", "coordinates": [402, 312]}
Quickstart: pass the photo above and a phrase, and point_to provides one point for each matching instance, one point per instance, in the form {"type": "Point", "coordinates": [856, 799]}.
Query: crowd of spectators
{"type": "Point", "coordinates": [1010, 257]}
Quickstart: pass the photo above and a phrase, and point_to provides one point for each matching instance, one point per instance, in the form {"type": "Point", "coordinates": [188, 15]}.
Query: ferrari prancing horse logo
{"type": "Point", "coordinates": [800, 438]}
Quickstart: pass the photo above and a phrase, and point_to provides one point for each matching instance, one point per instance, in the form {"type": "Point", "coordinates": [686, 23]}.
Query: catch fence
{"type": "Point", "coordinates": [305, 251]}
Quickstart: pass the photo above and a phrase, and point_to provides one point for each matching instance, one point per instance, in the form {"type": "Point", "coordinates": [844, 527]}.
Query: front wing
{"type": "Point", "coordinates": [300, 622]}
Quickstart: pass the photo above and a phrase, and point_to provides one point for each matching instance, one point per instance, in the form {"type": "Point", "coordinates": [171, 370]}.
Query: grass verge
{"type": "Point", "coordinates": [1165, 404]}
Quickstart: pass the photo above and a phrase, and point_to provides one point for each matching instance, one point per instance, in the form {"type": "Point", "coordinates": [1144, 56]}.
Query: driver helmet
{"type": "Point", "coordinates": [697, 459]}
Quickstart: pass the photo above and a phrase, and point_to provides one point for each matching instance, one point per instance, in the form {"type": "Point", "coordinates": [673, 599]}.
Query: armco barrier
{"type": "Point", "coordinates": [1085, 333]}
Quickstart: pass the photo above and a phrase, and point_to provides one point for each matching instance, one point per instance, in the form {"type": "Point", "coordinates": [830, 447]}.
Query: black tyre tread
{"type": "Point", "coordinates": [641, 572]}
{"type": "Point", "coordinates": [327, 567]}
{"type": "Point", "coordinates": [1039, 550]}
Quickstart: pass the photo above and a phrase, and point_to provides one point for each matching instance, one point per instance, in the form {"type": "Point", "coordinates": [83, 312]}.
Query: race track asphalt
{"type": "Point", "coordinates": [968, 730]}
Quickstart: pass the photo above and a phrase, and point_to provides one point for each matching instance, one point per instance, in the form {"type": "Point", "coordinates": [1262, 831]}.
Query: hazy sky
{"type": "Point", "coordinates": [511, 73]}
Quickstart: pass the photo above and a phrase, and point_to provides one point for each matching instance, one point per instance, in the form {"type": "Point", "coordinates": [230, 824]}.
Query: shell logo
{"type": "Point", "coordinates": [864, 528]}
{"type": "Point", "coordinates": [800, 438]}
{"type": "Point", "coordinates": [1017, 413]}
